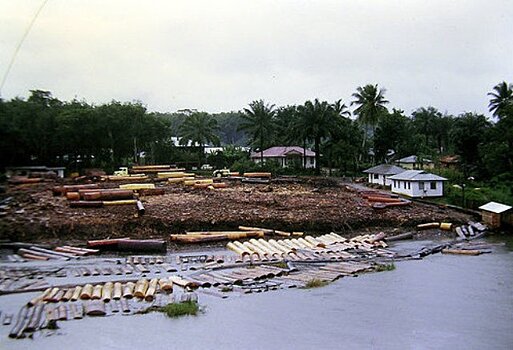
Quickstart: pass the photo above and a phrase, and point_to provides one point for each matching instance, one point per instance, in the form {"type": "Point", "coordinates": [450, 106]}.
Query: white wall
{"type": "Point", "coordinates": [310, 161]}
{"type": "Point", "coordinates": [381, 180]}
{"type": "Point", "coordinates": [413, 188]}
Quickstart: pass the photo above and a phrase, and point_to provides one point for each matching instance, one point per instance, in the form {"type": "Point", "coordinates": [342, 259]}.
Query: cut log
{"type": "Point", "coordinates": [108, 195]}
{"type": "Point", "coordinates": [140, 208]}
{"type": "Point", "coordinates": [446, 226]}
{"type": "Point", "coordinates": [152, 289]}
{"type": "Point", "coordinates": [86, 292]}
{"type": "Point", "coordinates": [140, 288]}
{"type": "Point", "coordinates": [117, 292]}
{"type": "Point", "coordinates": [23, 252]}
{"type": "Point", "coordinates": [86, 204]}
{"type": "Point", "coordinates": [143, 245]}
{"type": "Point", "coordinates": [95, 308]}
{"type": "Point", "coordinates": [460, 233]}
{"type": "Point", "coordinates": [407, 235]}
{"type": "Point", "coordinates": [428, 226]}
{"type": "Point", "coordinates": [128, 290]}
{"type": "Point", "coordinates": [258, 175]}
{"type": "Point", "coordinates": [136, 187]}
{"type": "Point", "coordinates": [106, 243]}
{"type": "Point", "coordinates": [97, 292]}
{"type": "Point", "coordinates": [461, 251]}
{"type": "Point", "coordinates": [120, 202]}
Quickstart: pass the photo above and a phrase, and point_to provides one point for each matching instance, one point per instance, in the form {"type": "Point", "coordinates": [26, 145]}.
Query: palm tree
{"type": "Point", "coordinates": [199, 128]}
{"type": "Point", "coordinates": [502, 96]}
{"type": "Point", "coordinates": [370, 104]}
{"type": "Point", "coordinates": [258, 121]}
{"type": "Point", "coordinates": [319, 120]}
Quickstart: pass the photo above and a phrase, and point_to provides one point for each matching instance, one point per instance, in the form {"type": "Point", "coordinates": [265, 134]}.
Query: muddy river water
{"type": "Point", "coordinates": [440, 302]}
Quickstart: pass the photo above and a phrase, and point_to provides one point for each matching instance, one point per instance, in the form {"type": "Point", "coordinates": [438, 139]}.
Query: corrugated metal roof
{"type": "Point", "coordinates": [282, 151]}
{"type": "Point", "coordinates": [413, 159]}
{"type": "Point", "coordinates": [385, 169]}
{"type": "Point", "coordinates": [417, 175]}
{"type": "Point", "coordinates": [495, 207]}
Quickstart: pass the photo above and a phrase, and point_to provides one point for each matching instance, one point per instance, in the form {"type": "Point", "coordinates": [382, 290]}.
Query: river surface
{"type": "Point", "coordinates": [440, 302]}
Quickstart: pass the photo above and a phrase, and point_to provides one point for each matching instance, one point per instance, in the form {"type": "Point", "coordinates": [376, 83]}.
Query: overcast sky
{"type": "Point", "coordinates": [220, 55]}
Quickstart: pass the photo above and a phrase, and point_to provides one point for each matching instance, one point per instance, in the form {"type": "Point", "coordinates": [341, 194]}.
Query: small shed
{"type": "Point", "coordinates": [380, 174]}
{"type": "Point", "coordinates": [493, 214]}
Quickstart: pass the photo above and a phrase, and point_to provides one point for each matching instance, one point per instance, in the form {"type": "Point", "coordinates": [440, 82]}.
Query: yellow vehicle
{"type": "Point", "coordinates": [123, 171]}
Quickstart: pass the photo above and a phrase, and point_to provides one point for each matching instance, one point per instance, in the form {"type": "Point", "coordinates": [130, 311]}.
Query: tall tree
{"type": "Point", "coordinates": [502, 97]}
{"type": "Point", "coordinates": [370, 106]}
{"type": "Point", "coordinates": [199, 128]}
{"type": "Point", "coordinates": [319, 120]}
{"type": "Point", "coordinates": [258, 121]}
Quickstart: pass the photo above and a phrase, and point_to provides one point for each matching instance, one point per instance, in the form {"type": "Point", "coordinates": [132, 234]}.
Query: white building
{"type": "Point", "coordinates": [286, 156]}
{"type": "Point", "coordinates": [418, 183]}
{"type": "Point", "coordinates": [380, 174]}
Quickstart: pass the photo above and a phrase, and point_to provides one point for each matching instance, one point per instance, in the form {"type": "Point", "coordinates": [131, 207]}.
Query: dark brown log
{"type": "Point", "coordinates": [35, 321]}
{"type": "Point", "coordinates": [20, 180]}
{"type": "Point", "coordinates": [407, 235]}
{"type": "Point", "coordinates": [108, 195]}
{"type": "Point", "coordinates": [148, 245]}
{"type": "Point", "coordinates": [86, 204]}
{"type": "Point", "coordinates": [73, 196]}
{"type": "Point", "coordinates": [20, 323]}
{"type": "Point", "coordinates": [152, 191]}
{"type": "Point", "coordinates": [105, 243]}
{"type": "Point", "coordinates": [95, 308]}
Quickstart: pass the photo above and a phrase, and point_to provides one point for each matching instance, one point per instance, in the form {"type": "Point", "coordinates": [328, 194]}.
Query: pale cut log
{"type": "Point", "coordinates": [428, 226]}
{"type": "Point", "coordinates": [152, 289]}
{"type": "Point", "coordinates": [461, 251]}
{"type": "Point", "coordinates": [76, 293]}
{"type": "Point", "coordinates": [140, 288]}
{"type": "Point", "coordinates": [128, 290]}
{"type": "Point", "coordinates": [117, 291]}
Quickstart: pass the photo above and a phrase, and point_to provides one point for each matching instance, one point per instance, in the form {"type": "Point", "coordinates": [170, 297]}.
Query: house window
{"type": "Point", "coordinates": [409, 185]}
{"type": "Point", "coordinates": [376, 176]}
{"type": "Point", "coordinates": [421, 185]}
{"type": "Point", "coordinates": [395, 183]}
{"type": "Point", "coordinates": [433, 185]}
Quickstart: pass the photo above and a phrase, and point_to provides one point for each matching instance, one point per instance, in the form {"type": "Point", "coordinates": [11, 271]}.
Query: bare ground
{"type": "Point", "coordinates": [312, 206]}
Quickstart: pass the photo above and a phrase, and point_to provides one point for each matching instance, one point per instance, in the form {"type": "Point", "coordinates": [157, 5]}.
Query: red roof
{"type": "Point", "coordinates": [283, 151]}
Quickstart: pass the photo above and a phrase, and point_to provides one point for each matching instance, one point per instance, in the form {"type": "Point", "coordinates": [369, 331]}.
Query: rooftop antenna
{"type": "Point", "coordinates": [18, 47]}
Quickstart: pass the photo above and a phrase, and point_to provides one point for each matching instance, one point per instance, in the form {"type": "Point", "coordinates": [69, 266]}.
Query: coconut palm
{"type": "Point", "coordinates": [370, 105]}
{"type": "Point", "coordinates": [258, 122]}
{"type": "Point", "coordinates": [318, 120]}
{"type": "Point", "coordinates": [199, 128]}
{"type": "Point", "coordinates": [502, 96]}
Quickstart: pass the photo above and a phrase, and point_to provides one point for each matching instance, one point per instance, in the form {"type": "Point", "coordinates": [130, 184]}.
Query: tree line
{"type": "Point", "coordinates": [44, 130]}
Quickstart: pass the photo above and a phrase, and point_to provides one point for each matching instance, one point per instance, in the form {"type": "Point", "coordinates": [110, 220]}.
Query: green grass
{"type": "Point", "coordinates": [316, 283]}
{"type": "Point", "coordinates": [385, 267]}
{"type": "Point", "coordinates": [181, 309]}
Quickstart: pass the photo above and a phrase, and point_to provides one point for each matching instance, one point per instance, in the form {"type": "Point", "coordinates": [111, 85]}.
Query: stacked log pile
{"type": "Point", "coordinates": [382, 200]}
